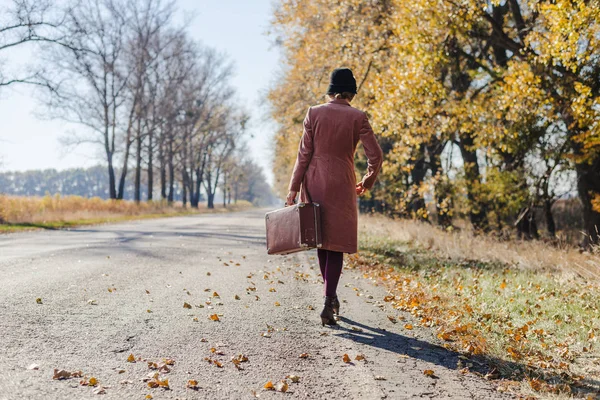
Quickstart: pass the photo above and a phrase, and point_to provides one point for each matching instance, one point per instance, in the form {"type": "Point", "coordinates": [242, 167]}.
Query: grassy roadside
{"type": "Point", "coordinates": [56, 212]}
{"type": "Point", "coordinates": [534, 328]}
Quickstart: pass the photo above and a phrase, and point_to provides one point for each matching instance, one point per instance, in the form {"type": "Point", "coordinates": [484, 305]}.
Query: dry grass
{"type": "Point", "coordinates": [519, 305]}
{"type": "Point", "coordinates": [464, 244]}
{"type": "Point", "coordinates": [17, 213]}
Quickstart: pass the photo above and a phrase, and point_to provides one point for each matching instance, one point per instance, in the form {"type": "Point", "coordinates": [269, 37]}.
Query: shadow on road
{"type": "Point", "coordinates": [438, 355]}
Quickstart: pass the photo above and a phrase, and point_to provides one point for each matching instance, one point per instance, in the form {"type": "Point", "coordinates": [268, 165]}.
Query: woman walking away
{"type": "Point", "coordinates": [325, 166]}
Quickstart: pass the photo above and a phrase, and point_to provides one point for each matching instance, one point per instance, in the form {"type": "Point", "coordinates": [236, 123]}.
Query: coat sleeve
{"type": "Point", "coordinates": [373, 153]}
{"type": "Point", "coordinates": [305, 152]}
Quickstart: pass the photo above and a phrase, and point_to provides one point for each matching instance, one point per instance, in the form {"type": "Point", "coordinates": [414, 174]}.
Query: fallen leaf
{"type": "Point", "coordinates": [62, 374]}
{"type": "Point", "coordinates": [192, 384]}
{"type": "Point", "coordinates": [429, 372]}
{"type": "Point", "coordinates": [354, 328]}
{"type": "Point", "coordinates": [360, 357]}
{"type": "Point", "coordinates": [392, 318]}
{"type": "Point", "coordinates": [215, 294]}
{"type": "Point", "coordinates": [147, 292]}
{"type": "Point", "coordinates": [236, 297]}
{"type": "Point", "coordinates": [277, 304]}
{"type": "Point", "coordinates": [93, 381]}
{"type": "Point", "coordinates": [39, 300]}
{"type": "Point", "coordinates": [131, 358]}
{"type": "Point", "coordinates": [269, 386]}
{"type": "Point", "coordinates": [149, 396]}
{"type": "Point", "coordinates": [282, 387]}
{"type": "Point", "coordinates": [346, 358]}
{"type": "Point", "coordinates": [293, 378]}
{"type": "Point", "coordinates": [100, 390]}
{"type": "Point", "coordinates": [408, 326]}
{"type": "Point", "coordinates": [214, 317]}
{"type": "Point", "coordinates": [208, 274]}
{"type": "Point", "coordinates": [379, 378]}
{"type": "Point", "coordinates": [304, 355]}
{"type": "Point", "coordinates": [272, 289]}
{"type": "Point", "coordinates": [186, 305]}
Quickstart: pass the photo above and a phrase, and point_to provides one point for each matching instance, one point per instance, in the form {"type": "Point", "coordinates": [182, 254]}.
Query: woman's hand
{"type": "Point", "coordinates": [291, 198]}
{"type": "Point", "coordinates": [360, 189]}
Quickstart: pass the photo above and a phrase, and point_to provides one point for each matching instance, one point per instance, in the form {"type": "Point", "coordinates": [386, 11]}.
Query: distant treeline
{"type": "Point", "coordinates": [93, 182]}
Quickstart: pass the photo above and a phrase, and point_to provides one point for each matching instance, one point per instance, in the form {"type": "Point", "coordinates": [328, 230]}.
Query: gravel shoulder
{"type": "Point", "coordinates": [114, 290]}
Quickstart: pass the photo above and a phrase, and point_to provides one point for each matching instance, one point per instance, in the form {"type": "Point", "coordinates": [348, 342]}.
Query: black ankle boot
{"type": "Point", "coordinates": [335, 304]}
{"type": "Point", "coordinates": [327, 313]}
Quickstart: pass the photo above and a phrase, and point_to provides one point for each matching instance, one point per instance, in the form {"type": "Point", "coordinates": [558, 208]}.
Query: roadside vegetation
{"type": "Point", "coordinates": [525, 313]}
{"type": "Point", "coordinates": [55, 212]}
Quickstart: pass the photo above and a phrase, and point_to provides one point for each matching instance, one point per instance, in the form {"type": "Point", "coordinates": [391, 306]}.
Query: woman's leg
{"type": "Point", "coordinates": [333, 270]}
{"type": "Point", "coordinates": [322, 261]}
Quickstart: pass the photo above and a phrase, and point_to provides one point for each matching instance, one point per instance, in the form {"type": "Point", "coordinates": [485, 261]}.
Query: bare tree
{"type": "Point", "coordinates": [29, 21]}
{"type": "Point", "coordinates": [93, 76]}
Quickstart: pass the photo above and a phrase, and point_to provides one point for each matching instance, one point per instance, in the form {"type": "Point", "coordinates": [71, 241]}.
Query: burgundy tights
{"type": "Point", "coordinates": [331, 269]}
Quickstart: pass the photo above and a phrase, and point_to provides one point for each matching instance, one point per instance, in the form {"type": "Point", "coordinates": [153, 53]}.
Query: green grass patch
{"type": "Point", "coordinates": [540, 327]}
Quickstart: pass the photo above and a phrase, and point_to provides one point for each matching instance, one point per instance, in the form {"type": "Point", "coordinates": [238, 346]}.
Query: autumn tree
{"type": "Point", "coordinates": [509, 84]}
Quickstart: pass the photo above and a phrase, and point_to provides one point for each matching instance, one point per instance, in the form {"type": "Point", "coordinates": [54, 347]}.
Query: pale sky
{"type": "Point", "coordinates": [236, 27]}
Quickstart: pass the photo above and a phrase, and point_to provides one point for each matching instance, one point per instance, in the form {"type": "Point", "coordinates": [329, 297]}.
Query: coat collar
{"type": "Point", "coordinates": [339, 101]}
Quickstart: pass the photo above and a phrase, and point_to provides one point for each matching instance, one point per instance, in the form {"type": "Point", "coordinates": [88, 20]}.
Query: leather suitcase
{"type": "Point", "coordinates": [294, 228]}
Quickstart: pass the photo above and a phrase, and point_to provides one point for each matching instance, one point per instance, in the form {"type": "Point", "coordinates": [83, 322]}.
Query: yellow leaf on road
{"type": "Point", "coordinates": [131, 358]}
{"type": "Point", "coordinates": [408, 326]}
{"type": "Point", "coordinates": [187, 305]}
{"type": "Point", "coordinates": [428, 372]}
{"type": "Point", "coordinates": [269, 386]}
{"type": "Point", "coordinates": [346, 358]}
{"type": "Point", "coordinates": [214, 317]}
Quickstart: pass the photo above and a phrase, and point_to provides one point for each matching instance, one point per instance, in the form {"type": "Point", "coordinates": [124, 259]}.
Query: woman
{"type": "Point", "coordinates": [325, 166]}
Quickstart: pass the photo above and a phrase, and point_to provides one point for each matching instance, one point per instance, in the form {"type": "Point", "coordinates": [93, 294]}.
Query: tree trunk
{"type": "Point", "coordinates": [416, 204]}
{"type": "Point", "coordinates": [111, 179]}
{"type": "Point", "coordinates": [184, 195]}
{"type": "Point", "coordinates": [478, 207]}
{"type": "Point", "coordinates": [211, 200]}
{"type": "Point", "coordinates": [588, 187]}
{"type": "Point", "coordinates": [224, 190]}
{"type": "Point", "coordinates": [171, 172]}
{"type": "Point", "coordinates": [163, 171]}
{"type": "Point", "coordinates": [443, 187]}
{"type": "Point", "coordinates": [150, 167]}
{"type": "Point", "coordinates": [138, 165]}
{"type": "Point", "coordinates": [550, 225]}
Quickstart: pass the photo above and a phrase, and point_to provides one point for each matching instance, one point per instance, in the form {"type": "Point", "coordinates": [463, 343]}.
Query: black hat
{"type": "Point", "coordinates": [342, 81]}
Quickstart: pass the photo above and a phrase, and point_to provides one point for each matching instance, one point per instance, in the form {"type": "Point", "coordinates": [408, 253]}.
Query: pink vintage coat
{"type": "Point", "coordinates": [325, 164]}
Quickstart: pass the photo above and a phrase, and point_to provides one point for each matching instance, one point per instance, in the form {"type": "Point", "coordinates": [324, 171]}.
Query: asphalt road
{"type": "Point", "coordinates": [114, 290]}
